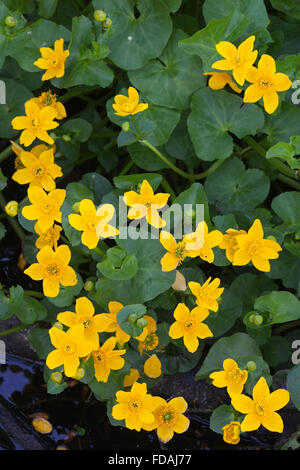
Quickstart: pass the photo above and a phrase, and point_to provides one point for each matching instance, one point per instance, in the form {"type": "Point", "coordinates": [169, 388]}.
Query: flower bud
{"type": "Point", "coordinates": [258, 320]}
{"type": "Point", "coordinates": [58, 325]}
{"type": "Point", "coordinates": [141, 322]}
{"type": "Point", "coordinates": [56, 377]}
{"type": "Point", "coordinates": [75, 207]}
{"type": "Point", "coordinates": [270, 237]}
{"type": "Point", "coordinates": [88, 286]}
{"type": "Point", "coordinates": [79, 374]}
{"type": "Point", "coordinates": [125, 126]}
{"type": "Point", "coordinates": [107, 23]}
{"type": "Point", "coordinates": [42, 425]}
{"type": "Point", "coordinates": [132, 317]}
{"type": "Point", "coordinates": [10, 21]}
{"type": "Point", "coordinates": [12, 208]}
{"type": "Point", "coordinates": [251, 366]}
{"type": "Point", "coordinates": [66, 138]}
{"type": "Point", "coordinates": [100, 15]}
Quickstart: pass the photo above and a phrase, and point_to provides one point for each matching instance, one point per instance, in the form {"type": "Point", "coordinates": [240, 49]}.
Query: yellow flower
{"type": "Point", "coordinates": [148, 339]}
{"type": "Point", "coordinates": [93, 223]}
{"type": "Point", "coordinates": [136, 407]}
{"type": "Point", "coordinates": [128, 105]}
{"type": "Point", "coordinates": [239, 60]}
{"type": "Point", "coordinates": [152, 367]}
{"type": "Point", "coordinates": [262, 409]}
{"type": "Point", "coordinates": [70, 346]}
{"type": "Point", "coordinates": [111, 324]}
{"type": "Point", "coordinates": [131, 378]}
{"type": "Point", "coordinates": [253, 247]}
{"type": "Point", "coordinates": [45, 207]}
{"type": "Point", "coordinates": [229, 242]}
{"type": "Point", "coordinates": [189, 325]}
{"type": "Point", "coordinates": [38, 171]}
{"type": "Point", "coordinates": [219, 80]}
{"type": "Point", "coordinates": [42, 425]}
{"type": "Point", "coordinates": [231, 432]}
{"type": "Point", "coordinates": [36, 123]}
{"type": "Point", "coordinates": [207, 295]}
{"type": "Point", "coordinates": [50, 237]}
{"type": "Point", "coordinates": [146, 204]}
{"type": "Point", "coordinates": [106, 359]}
{"type": "Point", "coordinates": [201, 242]}
{"type": "Point", "coordinates": [53, 269]}
{"type": "Point", "coordinates": [48, 98]}
{"type": "Point", "coordinates": [84, 315]}
{"type": "Point", "coordinates": [53, 60]}
{"type": "Point", "coordinates": [177, 252]}
{"type": "Point", "coordinates": [169, 418]}
{"type": "Point", "coordinates": [266, 83]}
{"type": "Point", "coordinates": [231, 377]}
{"type": "Point", "coordinates": [12, 208]}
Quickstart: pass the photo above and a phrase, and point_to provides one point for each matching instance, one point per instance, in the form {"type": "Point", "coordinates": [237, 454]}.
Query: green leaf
{"type": "Point", "coordinates": [135, 40]}
{"type": "Point", "coordinates": [98, 184]}
{"type": "Point", "coordinates": [106, 391]}
{"type": "Point", "coordinates": [170, 80]}
{"type": "Point", "coordinates": [280, 126]}
{"type": "Point", "coordinates": [144, 158]}
{"type": "Point", "coordinates": [131, 182]}
{"type": "Point", "coordinates": [32, 310]}
{"type": "Point", "coordinates": [124, 322]}
{"type": "Point", "coordinates": [287, 207]}
{"type": "Point", "coordinates": [175, 360]}
{"type": "Point", "coordinates": [80, 128]}
{"type": "Point", "coordinates": [40, 340]}
{"type": "Point", "coordinates": [173, 5]}
{"type": "Point", "coordinates": [67, 294]}
{"type": "Point", "coordinates": [276, 351]}
{"type": "Point", "coordinates": [278, 307]}
{"type": "Point", "coordinates": [230, 310]}
{"type": "Point", "coordinates": [214, 114]}
{"type": "Point", "coordinates": [289, 7]}
{"type": "Point", "coordinates": [203, 43]}
{"type": "Point", "coordinates": [286, 152]}
{"type": "Point", "coordinates": [117, 265]}
{"type": "Point", "coordinates": [220, 417]}
{"type": "Point", "coordinates": [2, 231]}
{"type": "Point", "coordinates": [233, 188]}
{"type": "Point", "coordinates": [293, 385]}
{"type": "Point", "coordinates": [3, 180]}
{"type": "Point", "coordinates": [47, 7]}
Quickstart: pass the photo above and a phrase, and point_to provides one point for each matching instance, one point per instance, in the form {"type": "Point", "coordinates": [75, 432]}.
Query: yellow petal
{"type": "Point", "coordinates": [272, 421]}
{"type": "Point", "coordinates": [251, 422]}
{"type": "Point", "coordinates": [271, 101]}
{"type": "Point", "coordinates": [261, 390]}
{"type": "Point", "coordinates": [278, 399]}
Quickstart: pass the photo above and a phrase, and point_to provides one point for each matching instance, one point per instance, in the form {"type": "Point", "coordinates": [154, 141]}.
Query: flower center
{"type": "Point", "coordinates": [167, 416]}
{"type": "Point", "coordinates": [98, 356]}
{"type": "Point", "coordinates": [129, 106]}
{"type": "Point", "coordinates": [254, 249]}
{"type": "Point", "coordinates": [69, 348]}
{"type": "Point", "coordinates": [260, 408]}
{"type": "Point", "coordinates": [87, 323]}
{"type": "Point", "coordinates": [237, 59]}
{"type": "Point", "coordinates": [134, 406]}
{"type": "Point", "coordinates": [46, 206]}
{"type": "Point", "coordinates": [151, 342]}
{"type": "Point", "coordinates": [53, 270]}
{"type": "Point", "coordinates": [48, 98]}
{"type": "Point", "coordinates": [35, 122]}
{"type": "Point", "coordinates": [39, 171]}
{"type": "Point", "coordinates": [265, 83]}
{"type": "Point", "coordinates": [54, 61]}
{"type": "Point", "coordinates": [235, 376]}
{"type": "Point", "coordinates": [180, 252]}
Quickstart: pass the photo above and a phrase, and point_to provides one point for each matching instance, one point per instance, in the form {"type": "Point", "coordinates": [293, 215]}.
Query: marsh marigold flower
{"type": "Point", "coordinates": [189, 326]}
{"type": "Point", "coordinates": [36, 123]}
{"type": "Point", "coordinates": [152, 367]}
{"type": "Point", "coordinates": [85, 315]}
{"type": "Point", "coordinates": [169, 418]}
{"type": "Point", "coordinates": [111, 324]}
{"type": "Point", "coordinates": [229, 242]}
{"type": "Point", "coordinates": [107, 359]}
{"type": "Point", "coordinates": [47, 98]}
{"type": "Point", "coordinates": [48, 238]}
{"type": "Point", "coordinates": [136, 407]}
{"type": "Point", "coordinates": [239, 60]}
{"type": "Point", "coordinates": [93, 222]}
{"type": "Point", "coordinates": [70, 346]}
{"type": "Point", "coordinates": [12, 208]}
{"type": "Point", "coordinates": [53, 60]}
{"type": "Point", "coordinates": [201, 242]}
{"type": "Point", "coordinates": [231, 432]}
{"type": "Point", "coordinates": [231, 377]}
{"type": "Point", "coordinates": [45, 207]}
{"type": "Point", "coordinates": [261, 410]}
{"type": "Point", "coordinates": [38, 170]}
{"type": "Point", "coordinates": [53, 269]}
{"type": "Point", "coordinates": [253, 247]}
{"type": "Point", "coordinates": [266, 83]}
{"type": "Point", "coordinates": [207, 295]}
{"type": "Point", "coordinates": [128, 105]}
{"type": "Point", "coordinates": [219, 80]}
{"type": "Point", "coordinates": [148, 339]}
{"type": "Point", "coordinates": [146, 204]}
{"type": "Point", "coordinates": [176, 251]}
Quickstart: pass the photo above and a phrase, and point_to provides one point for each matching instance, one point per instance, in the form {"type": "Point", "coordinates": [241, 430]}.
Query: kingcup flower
{"type": "Point", "coordinates": [176, 251]}
{"type": "Point", "coordinates": [45, 207]}
{"type": "Point", "coordinates": [189, 326]}
{"type": "Point", "coordinates": [229, 242]}
{"type": "Point", "coordinates": [266, 83]}
{"type": "Point", "coordinates": [261, 410]}
{"type": "Point", "coordinates": [146, 204]}
{"type": "Point", "coordinates": [53, 60]}
{"type": "Point", "coordinates": [231, 432]}
{"type": "Point", "coordinates": [38, 170]}
{"type": "Point", "coordinates": [208, 294]}
{"type": "Point", "coordinates": [152, 367]}
{"type": "Point", "coordinates": [48, 98]}
{"type": "Point", "coordinates": [239, 60]}
{"type": "Point", "coordinates": [70, 346]}
{"type": "Point", "coordinates": [52, 267]}
{"type": "Point", "coordinates": [219, 80]}
{"type": "Point", "coordinates": [48, 238]}
{"type": "Point", "coordinates": [107, 359]}
{"type": "Point", "coordinates": [201, 242]}
{"type": "Point", "coordinates": [85, 315]}
{"type": "Point", "coordinates": [253, 247]}
{"type": "Point", "coordinates": [93, 222]}
{"type": "Point", "coordinates": [126, 106]}
{"type": "Point", "coordinates": [111, 324]}
{"type": "Point", "coordinates": [36, 123]}
{"type": "Point", "coordinates": [135, 406]}
{"type": "Point", "coordinates": [169, 418]}
{"type": "Point", "coordinates": [148, 339]}
{"type": "Point", "coordinates": [231, 377]}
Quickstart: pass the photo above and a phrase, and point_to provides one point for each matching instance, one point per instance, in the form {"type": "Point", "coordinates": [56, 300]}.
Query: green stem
{"type": "Point", "coordinates": [13, 330]}
{"type": "Point", "coordinates": [72, 93]}
{"type": "Point", "coordinates": [289, 181]}
{"type": "Point", "coordinates": [13, 223]}
{"type": "Point", "coordinates": [276, 164]}
{"type": "Point", "coordinates": [34, 293]}
{"type": "Point", "coordinates": [126, 168]}
{"type": "Point", "coordinates": [137, 127]}
{"type": "Point", "coordinates": [100, 252]}
{"type": "Point", "coordinates": [5, 153]}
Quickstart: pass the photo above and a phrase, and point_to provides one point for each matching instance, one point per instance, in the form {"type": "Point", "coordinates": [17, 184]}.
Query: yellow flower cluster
{"type": "Point", "coordinates": [265, 81]}
{"type": "Point", "coordinates": [259, 410]}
